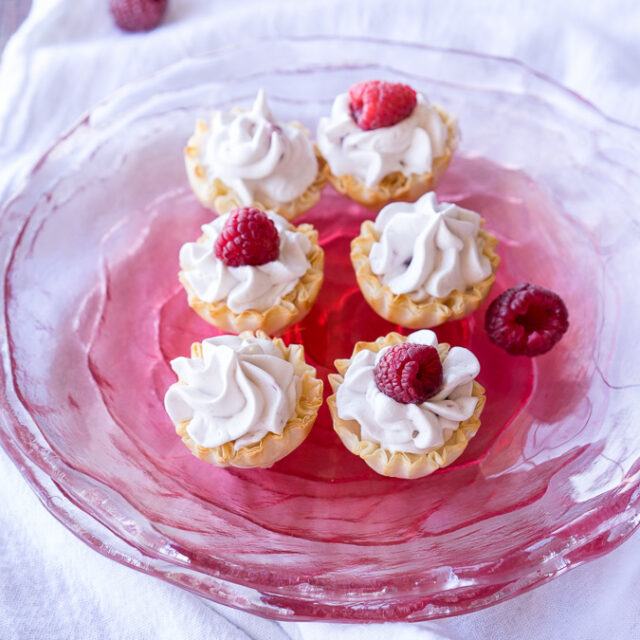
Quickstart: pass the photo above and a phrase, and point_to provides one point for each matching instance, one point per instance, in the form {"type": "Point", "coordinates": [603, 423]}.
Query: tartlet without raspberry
{"type": "Point", "coordinates": [216, 194]}
{"type": "Point", "coordinates": [273, 446]}
{"type": "Point", "coordinates": [401, 308]}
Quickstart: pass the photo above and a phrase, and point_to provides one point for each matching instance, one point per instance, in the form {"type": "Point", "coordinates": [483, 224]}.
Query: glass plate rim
{"type": "Point", "coordinates": [48, 496]}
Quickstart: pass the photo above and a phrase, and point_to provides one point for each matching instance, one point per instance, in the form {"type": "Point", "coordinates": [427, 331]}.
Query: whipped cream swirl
{"type": "Point", "coordinates": [409, 146]}
{"type": "Point", "coordinates": [428, 248]}
{"type": "Point", "coordinates": [257, 156]}
{"type": "Point", "coordinates": [240, 390]}
{"type": "Point", "coordinates": [245, 287]}
{"type": "Point", "coordinates": [412, 428]}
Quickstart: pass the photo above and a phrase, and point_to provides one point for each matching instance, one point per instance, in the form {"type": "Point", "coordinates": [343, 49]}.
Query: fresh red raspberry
{"type": "Point", "coordinates": [248, 237]}
{"type": "Point", "coordinates": [376, 103]}
{"type": "Point", "coordinates": [526, 320]}
{"type": "Point", "coordinates": [409, 372]}
{"type": "Point", "coordinates": [137, 15]}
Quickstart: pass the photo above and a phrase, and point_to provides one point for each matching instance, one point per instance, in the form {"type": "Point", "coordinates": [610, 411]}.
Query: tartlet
{"type": "Point", "coordinates": [202, 271]}
{"type": "Point", "coordinates": [248, 158]}
{"type": "Point", "coordinates": [397, 162]}
{"type": "Point", "coordinates": [420, 309]}
{"type": "Point", "coordinates": [396, 463]}
{"type": "Point", "coordinates": [185, 408]}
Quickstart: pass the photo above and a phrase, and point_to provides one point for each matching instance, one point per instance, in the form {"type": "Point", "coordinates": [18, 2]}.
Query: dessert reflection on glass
{"type": "Point", "coordinates": [406, 405]}
{"type": "Point", "coordinates": [421, 264]}
{"type": "Point", "coordinates": [252, 270]}
{"type": "Point", "coordinates": [248, 158]}
{"type": "Point", "coordinates": [383, 142]}
{"type": "Point", "coordinates": [244, 401]}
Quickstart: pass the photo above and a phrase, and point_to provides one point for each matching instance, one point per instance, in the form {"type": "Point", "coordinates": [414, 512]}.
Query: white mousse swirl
{"type": "Point", "coordinates": [412, 428]}
{"type": "Point", "coordinates": [241, 389]}
{"type": "Point", "coordinates": [409, 146]}
{"type": "Point", "coordinates": [245, 287]}
{"type": "Point", "coordinates": [428, 248]}
{"type": "Point", "coordinates": [257, 156]}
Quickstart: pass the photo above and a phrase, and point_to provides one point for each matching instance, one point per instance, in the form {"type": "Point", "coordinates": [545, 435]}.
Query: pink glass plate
{"type": "Point", "coordinates": [93, 313]}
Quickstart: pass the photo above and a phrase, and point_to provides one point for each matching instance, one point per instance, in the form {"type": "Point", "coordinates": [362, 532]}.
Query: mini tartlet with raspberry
{"type": "Point", "coordinates": [424, 263]}
{"type": "Point", "coordinates": [385, 142]}
{"type": "Point", "coordinates": [252, 270]}
{"type": "Point", "coordinates": [248, 158]}
{"type": "Point", "coordinates": [406, 405]}
{"type": "Point", "coordinates": [243, 401]}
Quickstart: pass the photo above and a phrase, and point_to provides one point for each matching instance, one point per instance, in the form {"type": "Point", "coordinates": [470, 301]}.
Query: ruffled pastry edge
{"type": "Point", "coordinates": [220, 198]}
{"type": "Point", "coordinates": [397, 186]}
{"type": "Point", "coordinates": [401, 308]}
{"type": "Point", "coordinates": [273, 446]}
{"type": "Point", "coordinates": [400, 464]}
{"type": "Point", "coordinates": [291, 308]}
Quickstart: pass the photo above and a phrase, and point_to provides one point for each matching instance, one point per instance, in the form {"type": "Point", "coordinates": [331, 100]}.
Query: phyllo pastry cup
{"type": "Point", "coordinates": [430, 311]}
{"type": "Point", "coordinates": [288, 310]}
{"type": "Point", "coordinates": [400, 464]}
{"type": "Point", "coordinates": [397, 186]}
{"type": "Point", "coordinates": [273, 446]}
{"type": "Point", "coordinates": [214, 194]}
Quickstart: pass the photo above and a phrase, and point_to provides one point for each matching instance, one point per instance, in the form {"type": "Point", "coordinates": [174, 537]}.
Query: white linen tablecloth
{"type": "Point", "coordinates": [67, 56]}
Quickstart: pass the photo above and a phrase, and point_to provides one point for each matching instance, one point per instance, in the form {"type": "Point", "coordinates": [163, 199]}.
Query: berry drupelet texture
{"type": "Point", "coordinates": [409, 373]}
{"type": "Point", "coordinates": [137, 15]}
{"type": "Point", "coordinates": [526, 320]}
{"type": "Point", "coordinates": [249, 237]}
{"type": "Point", "coordinates": [376, 103]}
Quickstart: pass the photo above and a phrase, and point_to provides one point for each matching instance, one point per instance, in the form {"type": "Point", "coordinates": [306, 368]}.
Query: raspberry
{"type": "Point", "coordinates": [137, 15]}
{"type": "Point", "coordinates": [409, 372]}
{"type": "Point", "coordinates": [376, 103]}
{"type": "Point", "coordinates": [526, 320]}
{"type": "Point", "coordinates": [248, 237]}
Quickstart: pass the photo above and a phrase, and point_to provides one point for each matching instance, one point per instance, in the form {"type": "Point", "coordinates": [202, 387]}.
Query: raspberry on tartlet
{"type": "Point", "coordinates": [376, 103]}
{"type": "Point", "coordinates": [527, 320]}
{"type": "Point", "coordinates": [249, 237]}
{"type": "Point", "coordinates": [409, 373]}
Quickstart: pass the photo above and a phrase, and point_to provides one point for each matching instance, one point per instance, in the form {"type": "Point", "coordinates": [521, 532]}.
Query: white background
{"type": "Point", "coordinates": [67, 56]}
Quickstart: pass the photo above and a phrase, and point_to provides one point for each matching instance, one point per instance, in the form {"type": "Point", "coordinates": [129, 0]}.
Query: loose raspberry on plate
{"type": "Point", "coordinates": [137, 15]}
{"type": "Point", "coordinates": [376, 103]}
{"type": "Point", "coordinates": [526, 320]}
{"type": "Point", "coordinates": [409, 372]}
{"type": "Point", "coordinates": [248, 237]}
